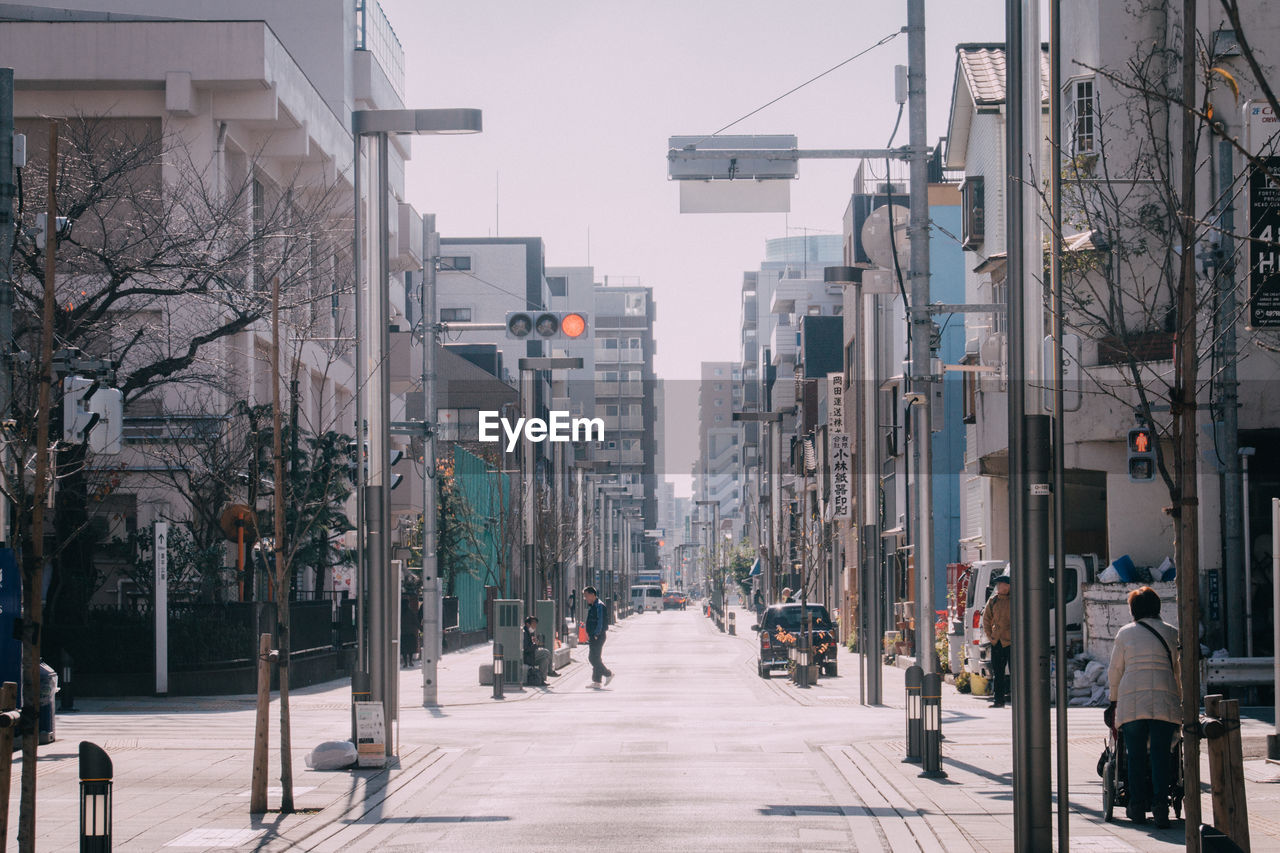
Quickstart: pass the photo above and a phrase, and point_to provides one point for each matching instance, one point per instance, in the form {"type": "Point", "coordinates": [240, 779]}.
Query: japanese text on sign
{"type": "Point", "coordinates": [841, 462]}
{"type": "Point", "coordinates": [835, 402]}
{"type": "Point", "coordinates": [1264, 246]}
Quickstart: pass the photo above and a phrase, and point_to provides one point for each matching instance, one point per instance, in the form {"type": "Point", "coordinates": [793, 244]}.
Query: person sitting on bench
{"type": "Point", "coordinates": [535, 655]}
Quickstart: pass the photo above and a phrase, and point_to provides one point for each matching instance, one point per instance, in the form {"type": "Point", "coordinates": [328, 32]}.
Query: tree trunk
{"type": "Point", "coordinates": [1185, 501]}
{"type": "Point", "coordinates": [33, 574]}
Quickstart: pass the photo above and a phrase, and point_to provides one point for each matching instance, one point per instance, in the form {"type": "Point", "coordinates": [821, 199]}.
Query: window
{"type": "Point", "coordinates": [814, 310]}
{"type": "Point", "coordinates": [1000, 296]}
{"type": "Point", "coordinates": [610, 343]}
{"type": "Point", "coordinates": [633, 343]}
{"type": "Point", "coordinates": [611, 411]}
{"type": "Point", "coordinates": [455, 263]}
{"type": "Point", "coordinates": [1081, 112]}
{"type": "Point", "coordinates": [973, 205]}
{"type": "Point", "coordinates": [455, 315]}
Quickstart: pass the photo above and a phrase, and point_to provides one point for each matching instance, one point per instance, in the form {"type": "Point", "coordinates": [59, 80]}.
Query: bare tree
{"type": "Point", "coordinates": [164, 258]}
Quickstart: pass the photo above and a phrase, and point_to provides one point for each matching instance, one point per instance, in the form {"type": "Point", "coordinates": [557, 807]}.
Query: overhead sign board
{"type": "Point", "coordinates": [835, 402]}
{"type": "Point", "coordinates": [711, 168]}
{"type": "Point", "coordinates": [735, 197]}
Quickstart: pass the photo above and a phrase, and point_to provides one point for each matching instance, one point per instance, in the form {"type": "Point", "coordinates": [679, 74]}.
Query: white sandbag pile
{"type": "Point", "coordinates": [1086, 682]}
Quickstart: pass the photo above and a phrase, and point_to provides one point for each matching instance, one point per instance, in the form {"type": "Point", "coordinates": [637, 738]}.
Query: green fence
{"type": "Point", "coordinates": [484, 514]}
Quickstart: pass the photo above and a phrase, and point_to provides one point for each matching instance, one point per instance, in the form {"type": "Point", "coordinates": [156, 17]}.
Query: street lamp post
{"type": "Point", "coordinates": [378, 591]}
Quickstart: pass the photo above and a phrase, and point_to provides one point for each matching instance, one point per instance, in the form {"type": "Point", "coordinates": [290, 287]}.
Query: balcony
{"type": "Point", "coordinates": [606, 390]}
{"type": "Point", "coordinates": [614, 423]}
{"type": "Point", "coordinates": [374, 34]}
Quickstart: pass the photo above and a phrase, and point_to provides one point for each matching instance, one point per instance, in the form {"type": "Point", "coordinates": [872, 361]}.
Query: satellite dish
{"type": "Point", "coordinates": [237, 518]}
{"type": "Point", "coordinates": [876, 241]}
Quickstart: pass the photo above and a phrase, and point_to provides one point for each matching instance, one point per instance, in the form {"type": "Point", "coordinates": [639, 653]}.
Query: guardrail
{"type": "Point", "coordinates": [1228, 672]}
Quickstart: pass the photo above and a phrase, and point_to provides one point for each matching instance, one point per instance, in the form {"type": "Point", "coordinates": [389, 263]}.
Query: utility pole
{"type": "Point", "coordinates": [1029, 456]}
{"type": "Point", "coordinates": [920, 380]}
{"type": "Point", "coordinates": [7, 192]}
{"type": "Point", "coordinates": [432, 591]}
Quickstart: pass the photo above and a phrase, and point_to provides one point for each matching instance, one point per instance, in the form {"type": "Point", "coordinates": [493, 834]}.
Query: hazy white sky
{"type": "Point", "coordinates": [580, 96]}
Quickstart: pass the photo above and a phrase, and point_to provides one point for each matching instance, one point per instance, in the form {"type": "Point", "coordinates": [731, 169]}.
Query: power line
{"type": "Point", "coordinates": [813, 79]}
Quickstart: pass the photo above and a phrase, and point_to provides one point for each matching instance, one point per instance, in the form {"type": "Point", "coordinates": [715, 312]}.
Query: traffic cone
{"type": "Point", "coordinates": [582, 632]}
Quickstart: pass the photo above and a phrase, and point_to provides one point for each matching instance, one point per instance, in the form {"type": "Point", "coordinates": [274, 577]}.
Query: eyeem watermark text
{"type": "Point", "coordinates": [559, 427]}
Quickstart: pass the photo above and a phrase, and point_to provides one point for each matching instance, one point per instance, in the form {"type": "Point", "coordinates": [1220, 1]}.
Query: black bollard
{"type": "Point", "coordinates": [95, 799]}
{"type": "Point", "coordinates": [931, 695]}
{"type": "Point", "coordinates": [915, 681]}
{"type": "Point", "coordinates": [497, 671]}
{"type": "Point", "coordinates": [802, 666]}
{"type": "Point", "coordinates": [732, 625]}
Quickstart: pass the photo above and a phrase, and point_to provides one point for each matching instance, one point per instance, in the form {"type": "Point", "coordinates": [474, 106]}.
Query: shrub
{"type": "Point", "coordinates": [962, 682]}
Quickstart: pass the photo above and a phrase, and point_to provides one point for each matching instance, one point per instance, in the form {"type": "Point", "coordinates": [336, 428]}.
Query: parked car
{"type": "Point", "coordinates": [674, 599]}
{"type": "Point", "coordinates": [782, 627]}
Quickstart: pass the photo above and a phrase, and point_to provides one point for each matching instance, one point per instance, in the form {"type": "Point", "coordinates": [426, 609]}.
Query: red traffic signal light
{"type": "Point", "coordinates": [1142, 455]}
{"type": "Point", "coordinates": [546, 325]}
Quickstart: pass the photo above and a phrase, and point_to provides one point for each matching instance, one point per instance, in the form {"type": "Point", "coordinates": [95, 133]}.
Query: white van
{"type": "Point", "coordinates": [1081, 568]}
{"type": "Point", "coordinates": [646, 597]}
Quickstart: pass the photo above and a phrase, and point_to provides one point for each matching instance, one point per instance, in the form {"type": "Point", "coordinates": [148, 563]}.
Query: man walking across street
{"type": "Point", "coordinates": [997, 621]}
{"type": "Point", "coordinates": [597, 625]}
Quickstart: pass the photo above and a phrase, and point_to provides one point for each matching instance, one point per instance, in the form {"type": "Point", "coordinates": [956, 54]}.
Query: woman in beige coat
{"type": "Point", "coordinates": [1146, 704]}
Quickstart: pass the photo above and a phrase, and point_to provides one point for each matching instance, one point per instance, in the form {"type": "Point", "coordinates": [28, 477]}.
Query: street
{"type": "Point", "coordinates": [687, 749]}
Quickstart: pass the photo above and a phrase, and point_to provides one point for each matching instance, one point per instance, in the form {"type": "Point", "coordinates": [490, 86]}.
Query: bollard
{"type": "Point", "coordinates": [66, 696]}
{"type": "Point", "coordinates": [915, 682]}
{"type": "Point", "coordinates": [95, 799]}
{"type": "Point", "coordinates": [802, 667]}
{"type": "Point", "coordinates": [497, 671]}
{"type": "Point", "coordinates": [931, 696]}
{"type": "Point", "coordinates": [732, 625]}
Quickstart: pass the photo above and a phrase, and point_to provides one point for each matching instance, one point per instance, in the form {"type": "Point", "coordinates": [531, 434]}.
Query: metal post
{"type": "Point", "coordinates": [1236, 598]}
{"type": "Point", "coordinates": [432, 590]}
{"type": "Point", "coordinates": [931, 727]}
{"type": "Point", "coordinates": [7, 192]}
{"type": "Point", "coordinates": [1273, 740]}
{"type": "Point", "coordinates": [1059, 422]}
{"type": "Point", "coordinates": [1028, 472]}
{"type": "Point", "coordinates": [921, 374]}
{"type": "Point", "coordinates": [914, 678]}
{"type": "Point", "coordinates": [1245, 453]}
{"type": "Point", "coordinates": [360, 678]}
{"type": "Point", "coordinates": [527, 451]}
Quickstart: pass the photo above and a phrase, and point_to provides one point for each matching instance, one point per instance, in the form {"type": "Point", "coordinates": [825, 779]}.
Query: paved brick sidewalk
{"type": "Point", "coordinates": [972, 809]}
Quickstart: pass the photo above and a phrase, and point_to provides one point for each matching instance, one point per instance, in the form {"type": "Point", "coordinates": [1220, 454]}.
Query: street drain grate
{"type": "Point", "coordinates": [221, 838]}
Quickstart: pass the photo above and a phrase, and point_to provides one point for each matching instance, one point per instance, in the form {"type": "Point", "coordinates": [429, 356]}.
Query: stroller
{"type": "Point", "coordinates": [1113, 767]}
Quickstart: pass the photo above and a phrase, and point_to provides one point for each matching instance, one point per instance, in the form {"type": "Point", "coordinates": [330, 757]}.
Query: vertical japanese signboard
{"type": "Point", "coordinates": [161, 611]}
{"type": "Point", "coordinates": [841, 462]}
{"type": "Point", "coordinates": [838, 454]}
{"type": "Point", "coordinates": [1264, 245]}
{"type": "Point", "coordinates": [835, 402]}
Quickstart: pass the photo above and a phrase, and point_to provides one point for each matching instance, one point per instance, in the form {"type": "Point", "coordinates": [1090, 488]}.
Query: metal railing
{"type": "Point", "coordinates": [375, 34]}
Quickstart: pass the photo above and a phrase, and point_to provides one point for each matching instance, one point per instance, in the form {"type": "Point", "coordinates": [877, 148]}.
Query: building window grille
{"type": "Point", "coordinates": [1081, 116]}
{"type": "Point", "coordinates": [455, 315]}
{"type": "Point", "coordinates": [455, 263]}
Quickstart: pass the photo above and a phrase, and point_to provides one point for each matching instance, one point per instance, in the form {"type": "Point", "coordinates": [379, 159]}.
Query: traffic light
{"type": "Point", "coordinates": [77, 419]}
{"type": "Point", "coordinates": [1142, 455]}
{"type": "Point", "coordinates": [546, 325]}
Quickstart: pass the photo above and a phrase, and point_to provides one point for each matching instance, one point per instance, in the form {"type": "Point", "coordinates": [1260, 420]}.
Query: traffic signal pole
{"type": "Point", "coordinates": [432, 591]}
{"type": "Point", "coordinates": [7, 192]}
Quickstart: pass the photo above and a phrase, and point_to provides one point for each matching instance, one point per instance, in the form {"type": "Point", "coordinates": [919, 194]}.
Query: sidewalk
{"type": "Point", "coordinates": [972, 809]}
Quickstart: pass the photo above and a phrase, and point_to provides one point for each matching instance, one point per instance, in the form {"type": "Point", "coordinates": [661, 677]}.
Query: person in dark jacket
{"type": "Point", "coordinates": [597, 626]}
{"type": "Point", "coordinates": [536, 656]}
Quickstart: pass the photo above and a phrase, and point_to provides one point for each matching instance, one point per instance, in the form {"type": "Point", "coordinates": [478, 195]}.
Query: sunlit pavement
{"type": "Point", "coordinates": [688, 749]}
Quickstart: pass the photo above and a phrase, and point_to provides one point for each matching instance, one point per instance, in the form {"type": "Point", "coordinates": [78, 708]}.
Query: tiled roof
{"type": "Point", "coordinates": [984, 72]}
